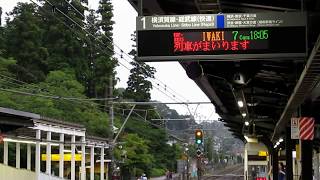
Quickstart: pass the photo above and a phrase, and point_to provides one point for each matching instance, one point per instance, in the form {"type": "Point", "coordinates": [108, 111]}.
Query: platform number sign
{"type": "Point", "coordinates": [295, 128]}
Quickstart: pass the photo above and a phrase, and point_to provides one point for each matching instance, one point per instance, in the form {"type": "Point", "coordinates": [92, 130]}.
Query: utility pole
{"type": "Point", "coordinates": [111, 125]}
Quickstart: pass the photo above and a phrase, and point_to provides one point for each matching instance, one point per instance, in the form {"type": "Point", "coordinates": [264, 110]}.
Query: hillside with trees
{"type": "Point", "coordinates": [59, 63]}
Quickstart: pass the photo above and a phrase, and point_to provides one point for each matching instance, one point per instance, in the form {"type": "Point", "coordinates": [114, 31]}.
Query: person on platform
{"type": "Point", "coordinates": [281, 174]}
{"type": "Point", "coordinates": [143, 177]}
{"type": "Point", "coordinates": [167, 175]}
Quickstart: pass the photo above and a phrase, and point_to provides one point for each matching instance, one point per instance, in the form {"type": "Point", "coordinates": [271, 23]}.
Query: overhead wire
{"type": "Point", "coordinates": [51, 96]}
{"type": "Point", "coordinates": [83, 28]}
{"type": "Point", "coordinates": [62, 98]}
{"type": "Point", "coordinates": [123, 52]}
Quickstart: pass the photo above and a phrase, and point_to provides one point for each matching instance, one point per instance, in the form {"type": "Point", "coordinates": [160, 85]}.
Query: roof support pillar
{"type": "Point", "coordinates": [48, 153]}
{"type": "Point", "coordinates": [102, 163]}
{"type": "Point", "coordinates": [306, 160]}
{"type": "Point", "coordinates": [18, 155]}
{"type": "Point", "coordinates": [289, 170]}
{"type": "Point", "coordinates": [5, 152]}
{"type": "Point", "coordinates": [275, 162]}
{"type": "Point", "coordinates": [140, 7]}
{"type": "Point", "coordinates": [61, 153]}
{"type": "Point", "coordinates": [92, 163]}
{"type": "Point", "coordinates": [28, 156]}
{"type": "Point", "coordinates": [73, 152]}
{"type": "Point", "coordinates": [316, 164]}
{"type": "Point", "coordinates": [37, 158]}
{"type": "Point", "coordinates": [83, 158]}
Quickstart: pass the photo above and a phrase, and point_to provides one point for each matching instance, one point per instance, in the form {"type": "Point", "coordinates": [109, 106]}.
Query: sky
{"type": "Point", "coordinates": [170, 73]}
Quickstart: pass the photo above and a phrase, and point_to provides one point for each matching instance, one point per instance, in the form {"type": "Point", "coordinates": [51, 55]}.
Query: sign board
{"type": "Point", "coordinates": [306, 127]}
{"type": "Point", "coordinates": [263, 153]}
{"type": "Point", "coordinates": [221, 36]}
{"type": "Point", "coordinates": [66, 157]}
{"type": "Point", "coordinates": [295, 128]}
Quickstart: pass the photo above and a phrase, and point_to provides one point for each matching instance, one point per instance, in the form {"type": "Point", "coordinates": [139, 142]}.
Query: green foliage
{"type": "Point", "coordinates": [104, 64]}
{"type": "Point", "coordinates": [137, 153]}
{"type": "Point", "coordinates": [57, 60]}
{"type": "Point", "coordinates": [164, 154]}
{"type": "Point", "coordinates": [209, 148]}
{"type": "Point", "coordinates": [59, 83]}
{"type": "Point", "coordinates": [105, 10]}
{"type": "Point", "coordinates": [156, 172]}
{"type": "Point", "coordinates": [5, 64]}
{"type": "Point", "coordinates": [23, 42]}
{"type": "Point", "coordinates": [138, 84]}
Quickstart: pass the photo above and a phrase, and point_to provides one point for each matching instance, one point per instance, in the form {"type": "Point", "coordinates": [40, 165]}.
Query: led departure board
{"type": "Point", "coordinates": [221, 39]}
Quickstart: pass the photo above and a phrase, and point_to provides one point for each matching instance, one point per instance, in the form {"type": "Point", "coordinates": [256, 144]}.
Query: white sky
{"type": "Point", "coordinates": [170, 73]}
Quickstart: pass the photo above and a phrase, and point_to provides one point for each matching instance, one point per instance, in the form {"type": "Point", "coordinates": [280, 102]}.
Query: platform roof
{"type": "Point", "coordinates": [269, 83]}
{"type": "Point", "coordinates": [11, 119]}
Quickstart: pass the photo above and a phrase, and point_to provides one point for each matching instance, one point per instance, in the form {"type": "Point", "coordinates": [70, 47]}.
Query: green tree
{"type": "Point", "coordinates": [23, 36]}
{"type": "Point", "coordinates": [92, 51]}
{"type": "Point", "coordinates": [139, 86]}
{"type": "Point", "coordinates": [209, 148]}
{"type": "Point", "coordinates": [104, 63]}
{"type": "Point", "coordinates": [165, 156]}
{"type": "Point", "coordinates": [64, 40]}
{"type": "Point", "coordinates": [138, 158]}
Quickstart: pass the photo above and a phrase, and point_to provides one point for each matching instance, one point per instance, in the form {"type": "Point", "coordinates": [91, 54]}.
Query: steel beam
{"type": "Point", "coordinates": [305, 85]}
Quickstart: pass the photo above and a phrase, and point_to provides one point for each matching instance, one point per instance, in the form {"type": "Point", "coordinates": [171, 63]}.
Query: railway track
{"type": "Point", "coordinates": [233, 173]}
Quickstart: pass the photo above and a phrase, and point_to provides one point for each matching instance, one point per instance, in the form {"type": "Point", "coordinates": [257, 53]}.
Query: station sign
{"type": "Point", "coordinates": [221, 36]}
{"type": "Point", "coordinates": [295, 132]}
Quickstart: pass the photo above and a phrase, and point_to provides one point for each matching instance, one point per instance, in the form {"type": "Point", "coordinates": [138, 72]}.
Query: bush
{"type": "Point", "coordinates": [155, 172]}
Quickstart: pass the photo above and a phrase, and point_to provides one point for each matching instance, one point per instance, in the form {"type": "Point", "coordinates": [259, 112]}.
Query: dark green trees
{"type": "Point", "coordinates": [59, 52]}
{"type": "Point", "coordinates": [139, 86]}
{"type": "Point", "coordinates": [105, 64]}
{"type": "Point", "coordinates": [23, 36]}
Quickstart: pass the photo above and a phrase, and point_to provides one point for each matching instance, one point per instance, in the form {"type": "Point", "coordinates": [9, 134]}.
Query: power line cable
{"type": "Point", "coordinates": [51, 97]}
{"type": "Point", "coordinates": [55, 96]}
{"type": "Point", "coordinates": [122, 52]}
{"type": "Point", "coordinates": [82, 28]}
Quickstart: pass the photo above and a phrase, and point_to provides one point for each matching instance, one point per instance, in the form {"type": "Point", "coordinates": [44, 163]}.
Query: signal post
{"type": "Point", "coordinates": [199, 152]}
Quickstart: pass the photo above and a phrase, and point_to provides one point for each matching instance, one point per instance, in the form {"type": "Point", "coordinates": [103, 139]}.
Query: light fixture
{"type": "Point", "coordinates": [281, 140]}
{"type": "Point", "coordinates": [251, 139]}
{"type": "Point", "coordinates": [252, 104]}
{"type": "Point", "coordinates": [246, 123]}
{"type": "Point", "coordinates": [26, 141]}
{"type": "Point", "coordinates": [238, 78]}
{"type": "Point", "coordinates": [275, 146]}
{"type": "Point", "coordinates": [294, 154]}
{"type": "Point", "coordinates": [240, 103]}
{"type": "Point", "coordinates": [244, 114]}
{"type": "Point", "coordinates": [277, 143]}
